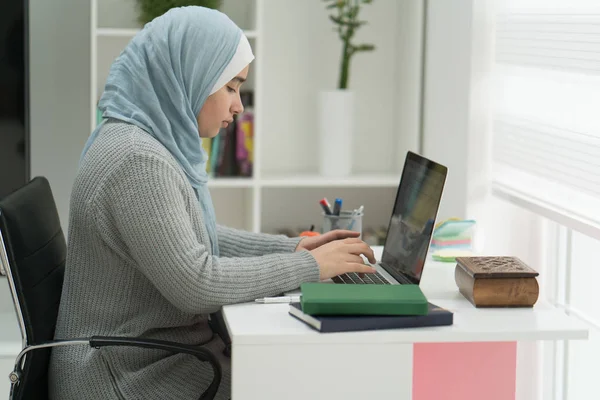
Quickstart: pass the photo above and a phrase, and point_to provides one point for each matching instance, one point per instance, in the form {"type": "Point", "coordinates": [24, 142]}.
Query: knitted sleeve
{"type": "Point", "coordinates": [145, 207]}
{"type": "Point", "coordinates": [238, 243]}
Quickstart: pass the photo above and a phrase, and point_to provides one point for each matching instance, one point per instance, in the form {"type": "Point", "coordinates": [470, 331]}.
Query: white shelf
{"type": "Point", "coordinates": [358, 181]}
{"type": "Point", "coordinates": [233, 182]}
{"type": "Point", "coordinates": [129, 33]}
{"type": "Point", "coordinates": [114, 32]}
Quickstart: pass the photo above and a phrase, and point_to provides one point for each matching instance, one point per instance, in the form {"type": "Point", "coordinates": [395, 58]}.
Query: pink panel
{"type": "Point", "coordinates": [464, 371]}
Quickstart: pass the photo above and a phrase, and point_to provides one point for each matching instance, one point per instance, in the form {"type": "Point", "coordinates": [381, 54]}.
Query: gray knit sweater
{"type": "Point", "coordinates": [139, 264]}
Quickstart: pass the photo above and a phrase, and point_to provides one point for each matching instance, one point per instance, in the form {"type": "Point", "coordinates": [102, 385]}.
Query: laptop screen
{"type": "Point", "coordinates": [413, 218]}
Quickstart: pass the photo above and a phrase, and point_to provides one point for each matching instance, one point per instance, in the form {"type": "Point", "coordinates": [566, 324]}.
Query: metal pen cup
{"type": "Point", "coordinates": [347, 220]}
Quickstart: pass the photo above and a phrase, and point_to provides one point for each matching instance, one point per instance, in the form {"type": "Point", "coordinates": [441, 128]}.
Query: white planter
{"type": "Point", "coordinates": [336, 128]}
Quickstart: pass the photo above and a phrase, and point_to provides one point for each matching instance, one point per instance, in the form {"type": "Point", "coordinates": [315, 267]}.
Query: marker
{"type": "Point", "coordinates": [325, 205]}
{"type": "Point", "coordinates": [337, 206]}
{"type": "Point", "coordinates": [354, 214]}
{"type": "Point", "coordinates": [282, 299]}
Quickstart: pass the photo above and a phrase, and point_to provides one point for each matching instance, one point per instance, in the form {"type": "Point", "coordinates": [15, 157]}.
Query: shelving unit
{"type": "Point", "coordinates": [129, 33]}
{"type": "Point", "coordinates": [296, 54]}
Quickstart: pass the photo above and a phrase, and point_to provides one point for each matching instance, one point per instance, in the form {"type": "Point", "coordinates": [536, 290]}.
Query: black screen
{"type": "Point", "coordinates": [413, 218]}
{"type": "Point", "coordinates": [13, 99]}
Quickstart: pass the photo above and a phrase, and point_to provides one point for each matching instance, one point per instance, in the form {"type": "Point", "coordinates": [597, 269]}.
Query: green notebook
{"type": "Point", "coordinates": [332, 299]}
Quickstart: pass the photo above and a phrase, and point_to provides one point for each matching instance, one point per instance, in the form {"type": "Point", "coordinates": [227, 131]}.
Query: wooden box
{"type": "Point", "coordinates": [496, 281]}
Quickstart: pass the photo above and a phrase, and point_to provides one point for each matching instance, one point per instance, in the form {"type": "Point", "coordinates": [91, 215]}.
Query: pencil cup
{"type": "Point", "coordinates": [348, 220]}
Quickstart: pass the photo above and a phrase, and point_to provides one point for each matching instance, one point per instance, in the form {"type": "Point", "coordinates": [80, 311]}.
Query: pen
{"type": "Point", "coordinates": [354, 214]}
{"type": "Point", "coordinates": [337, 206]}
{"type": "Point", "coordinates": [282, 299]}
{"type": "Point", "coordinates": [325, 205]}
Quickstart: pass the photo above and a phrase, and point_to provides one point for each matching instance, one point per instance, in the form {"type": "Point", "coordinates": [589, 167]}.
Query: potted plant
{"type": "Point", "coordinates": [336, 107]}
{"type": "Point", "coordinates": [150, 9]}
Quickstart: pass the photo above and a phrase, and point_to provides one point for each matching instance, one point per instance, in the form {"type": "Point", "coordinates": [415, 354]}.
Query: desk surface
{"type": "Point", "coordinates": [252, 323]}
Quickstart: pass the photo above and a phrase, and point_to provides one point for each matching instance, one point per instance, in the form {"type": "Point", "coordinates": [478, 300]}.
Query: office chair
{"type": "Point", "coordinates": [33, 253]}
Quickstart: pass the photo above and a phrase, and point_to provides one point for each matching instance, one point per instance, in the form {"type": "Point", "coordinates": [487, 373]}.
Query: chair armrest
{"type": "Point", "coordinates": [201, 354]}
{"type": "Point", "coordinates": [96, 342]}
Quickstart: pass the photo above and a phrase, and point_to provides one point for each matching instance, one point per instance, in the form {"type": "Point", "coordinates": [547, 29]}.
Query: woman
{"type": "Point", "coordinates": [145, 256]}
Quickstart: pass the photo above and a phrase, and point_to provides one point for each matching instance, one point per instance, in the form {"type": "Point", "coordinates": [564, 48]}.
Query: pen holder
{"type": "Point", "coordinates": [347, 220]}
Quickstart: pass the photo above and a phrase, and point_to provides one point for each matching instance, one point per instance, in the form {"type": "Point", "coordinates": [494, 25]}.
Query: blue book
{"type": "Point", "coordinates": [436, 316]}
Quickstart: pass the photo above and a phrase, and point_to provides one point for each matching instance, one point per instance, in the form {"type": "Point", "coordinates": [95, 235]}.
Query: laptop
{"type": "Point", "coordinates": [411, 225]}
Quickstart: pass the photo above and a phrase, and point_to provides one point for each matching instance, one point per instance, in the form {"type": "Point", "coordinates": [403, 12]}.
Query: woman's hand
{"type": "Point", "coordinates": [340, 256]}
{"type": "Point", "coordinates": [312, 242]}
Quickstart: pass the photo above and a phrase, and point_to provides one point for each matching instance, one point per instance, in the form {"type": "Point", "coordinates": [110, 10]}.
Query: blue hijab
{"type": "Point", "coordinates": [160, 82]}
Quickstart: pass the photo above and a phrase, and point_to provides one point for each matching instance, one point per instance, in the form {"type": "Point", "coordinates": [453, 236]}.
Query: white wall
{"type": "Point", "coordinates": [446, 94]}
{"type": "Point", "coordinates": [59, 73]}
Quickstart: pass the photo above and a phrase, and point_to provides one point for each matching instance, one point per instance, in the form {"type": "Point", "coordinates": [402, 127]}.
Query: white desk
{"type": "Point", "coordinates": [276, 356]}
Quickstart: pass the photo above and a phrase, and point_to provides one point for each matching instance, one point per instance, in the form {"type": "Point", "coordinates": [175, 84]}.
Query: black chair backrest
{"type": "Point", "coordinates": [36, 251]}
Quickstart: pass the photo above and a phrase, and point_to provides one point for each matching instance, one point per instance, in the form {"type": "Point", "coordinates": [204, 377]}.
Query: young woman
{"type": "Point", "coordinates": [145, 254]}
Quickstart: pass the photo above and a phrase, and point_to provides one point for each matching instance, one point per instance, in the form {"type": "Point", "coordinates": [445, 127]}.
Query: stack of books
{"type": "Point", "coordinates": [453, 234]}
{"type": "Point", "coordinates": [344, 308]}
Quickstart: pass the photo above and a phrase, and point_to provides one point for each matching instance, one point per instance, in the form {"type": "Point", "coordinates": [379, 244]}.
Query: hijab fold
{"type": "Point", "coordinates": [161, 80]}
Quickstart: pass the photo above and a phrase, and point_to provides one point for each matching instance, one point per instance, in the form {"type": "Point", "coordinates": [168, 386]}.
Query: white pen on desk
{"type": "Point", "coordinates": [281, 299]}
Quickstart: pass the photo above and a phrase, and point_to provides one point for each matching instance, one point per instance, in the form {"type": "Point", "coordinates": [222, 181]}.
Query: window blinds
{"type": "Point", "coordinates": [546, 106]}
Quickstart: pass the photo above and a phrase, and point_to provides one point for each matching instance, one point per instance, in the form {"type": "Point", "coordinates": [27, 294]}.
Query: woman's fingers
{"type": "Point", "coordinates": [343, 234]}
{"type": "Point", "coordinates": [364, 249]}
{"type": "Point", "coordinates": [361, 268]}
{"type": "Point", "coordinates": [354, 259]}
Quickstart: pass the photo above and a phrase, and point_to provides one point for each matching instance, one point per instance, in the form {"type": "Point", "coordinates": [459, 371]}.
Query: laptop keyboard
{"type": "Point", "coordinates": [354, 278]}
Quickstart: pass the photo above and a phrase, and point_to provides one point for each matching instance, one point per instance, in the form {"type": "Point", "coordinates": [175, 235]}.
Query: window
{"type": "Point", "coordinates": [546, 109]}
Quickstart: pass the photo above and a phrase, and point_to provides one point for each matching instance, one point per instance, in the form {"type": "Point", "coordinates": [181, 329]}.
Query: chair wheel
{"type": "Point", "coordinates": [14, 377]}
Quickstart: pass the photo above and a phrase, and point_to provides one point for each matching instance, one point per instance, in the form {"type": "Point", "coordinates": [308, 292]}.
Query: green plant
{"type": "Point", "coordinates": [150, 9]}
{"type": "Point", "coordinates": [347, 24]}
